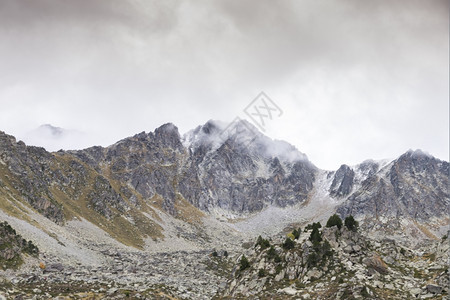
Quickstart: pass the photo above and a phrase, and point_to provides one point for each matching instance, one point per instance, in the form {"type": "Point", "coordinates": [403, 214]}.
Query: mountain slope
{"type": "Point", "coordinates": [413, 188]}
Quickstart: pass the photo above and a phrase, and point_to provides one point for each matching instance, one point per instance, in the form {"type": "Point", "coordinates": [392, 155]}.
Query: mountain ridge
{"type": "Point", "coordinates": [223, 176]}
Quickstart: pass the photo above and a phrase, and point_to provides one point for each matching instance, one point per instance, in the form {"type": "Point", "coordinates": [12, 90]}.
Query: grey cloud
{"type": "Point", "coordinates": [357, 73]}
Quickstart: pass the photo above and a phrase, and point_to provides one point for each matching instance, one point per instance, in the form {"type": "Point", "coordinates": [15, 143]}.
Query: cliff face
{"type": "Point", "coordinates": [241, 177]}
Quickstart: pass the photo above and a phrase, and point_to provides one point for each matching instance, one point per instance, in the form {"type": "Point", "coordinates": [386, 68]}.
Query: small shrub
{"type": "Point", "coordinates": [263, 243]}
{"type": "Point", "coordinates": [277, 259]}
{"type": "Point", "coordinates": [299, 285]}
{"type": "Point", "coordinates": [271, 253]}
{"type": "Point", "coordinates": [214, 254]}
{"type": "Point", "coordinates": [244, 263]}
{"type": "Point", "coordinates": [365, 292]}
{"type": "Point", "coordinates": [225, 253]}
{"type": "Point", "coordinates": [296, 234]}
{"type": "Point", "coordinates": [291, 236]}
{"type": "Point", "coordinates": [313, 259]}
{"type": "Point", "coordinates": [326, 249]}
{"type": "Point", "coordinates": [278, 269]}
{"type": "Point", "coordinates": [288, 244]}
{"type": "Point", "coordinates": [261, 273]}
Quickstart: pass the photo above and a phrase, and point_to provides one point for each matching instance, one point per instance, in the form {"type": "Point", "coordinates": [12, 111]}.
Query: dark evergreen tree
{"type": "Point", "coordinates": [334, 220]}
{"type": "Point", "coordinates": [288, 244]}
{"type": "Point", "coordinates": [263, 243]}
{"type": "Point", "coordinates": [351, 223]}
{"type": "Point", "coordinates": [244, 263]}
{"type": "Point", "coordinates": [315, 236]}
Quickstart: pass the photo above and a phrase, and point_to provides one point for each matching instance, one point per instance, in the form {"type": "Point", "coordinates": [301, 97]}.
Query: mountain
{"type": "Point", "coordinates": [216, 187]}
{"type": "Point", "coordinates": [225, 171]}
{"type": "Point", "coordinates": [412, 187]}
{"type": "Point", "coordinates": [240, 176]}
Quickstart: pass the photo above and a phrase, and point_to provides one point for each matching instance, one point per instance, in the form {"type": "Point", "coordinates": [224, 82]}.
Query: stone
{"type": "Point", "coordinates": [314, 273]}
{"type": "Point", "coordinates": [435, 289]}
{"type": "Point", "coordinates": [415, 292]}
{"type": "Point", "coordinates": [377, 284]}
{"type": "Point", "coordinates": [288, 291]}
{"type": "Point", "coordinates": [280, 275]}
{"type": "Point", "coordinates": [356, 248]}
{"type": "Point", "coordinates": [348, 249]}
{"type": "Point", "coordinates": [111, 291]}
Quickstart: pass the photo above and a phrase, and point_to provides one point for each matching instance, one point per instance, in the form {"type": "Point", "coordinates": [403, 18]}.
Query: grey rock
{"type": "Point", "coordinates": [342, 182]}
{"type": "Point", "coordinates": [435, 289]}
{"type": "Point", "coordinates": [415, 292]}
{"type": "Point", "coordinates": [399, 191]}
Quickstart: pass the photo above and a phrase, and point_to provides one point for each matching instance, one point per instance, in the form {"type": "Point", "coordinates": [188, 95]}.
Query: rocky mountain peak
{"type": "Point", "coordinates": [419, 162]}
{"type": "Point", "coordinates": [412, 187]}
{"type": "Point", "coordinates": [168, 135]}
{"type": "Point", "coordinates": [7, 140]}
{"type": "Point", "coordinates": [343, 182]}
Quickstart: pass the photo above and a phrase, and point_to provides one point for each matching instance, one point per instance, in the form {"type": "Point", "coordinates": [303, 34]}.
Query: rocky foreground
{"type": "Point", "coordinates": [343, 265]}
{"type": "Point", "coordinates": [184, 275]}
{"type": "Point", "coordinates": [332, 263]}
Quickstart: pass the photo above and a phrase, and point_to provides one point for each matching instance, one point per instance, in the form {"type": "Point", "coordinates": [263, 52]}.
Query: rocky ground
{"type": "Point", "coordinates": [140, 275]}
{"type": "Point", "coordinates": [344, 265]}
{"type": "Point", "coordinates": [79, 261]}
{"type": "Point", "coordinates": [353, 267]}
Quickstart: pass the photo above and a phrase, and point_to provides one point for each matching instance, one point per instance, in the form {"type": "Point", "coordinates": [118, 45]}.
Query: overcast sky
{"type": "Point", "coordinates": [354, 79]}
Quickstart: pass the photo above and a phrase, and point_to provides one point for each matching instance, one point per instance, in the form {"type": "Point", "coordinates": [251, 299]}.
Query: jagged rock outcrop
{"type": "Point", "coordinates": [342, 183]}
{"type": "Point", "coordinates": [30, 175]}
{"type": "Point", "coordinates": [344, 265]}
{"type": "Point", "coordinates": [13, 246]}
{"type": "Point", "coordinates": [238, 176]}
{"type": "Point", "coordinates": [414, 186]}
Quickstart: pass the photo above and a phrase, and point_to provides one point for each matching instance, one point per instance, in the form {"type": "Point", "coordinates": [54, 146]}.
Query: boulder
{"type": "Point", "coordinates": [435, 289]}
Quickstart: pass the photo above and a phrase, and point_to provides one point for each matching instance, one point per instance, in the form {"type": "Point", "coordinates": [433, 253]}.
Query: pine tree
{"type": "Point", "coordinates": [334, 220]}
{"type": "Point", "coordinates": [244, 263]}
{"type": "Point", "coordinates": [351, 223]}
{"type": "Point", "coordinates": [288, 244]}
{"type": "Point", "coordinates": [315, 236]}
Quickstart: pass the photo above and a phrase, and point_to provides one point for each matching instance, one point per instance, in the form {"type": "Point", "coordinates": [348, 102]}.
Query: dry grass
{"type": "Point", "coordinates": [187, 212]}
